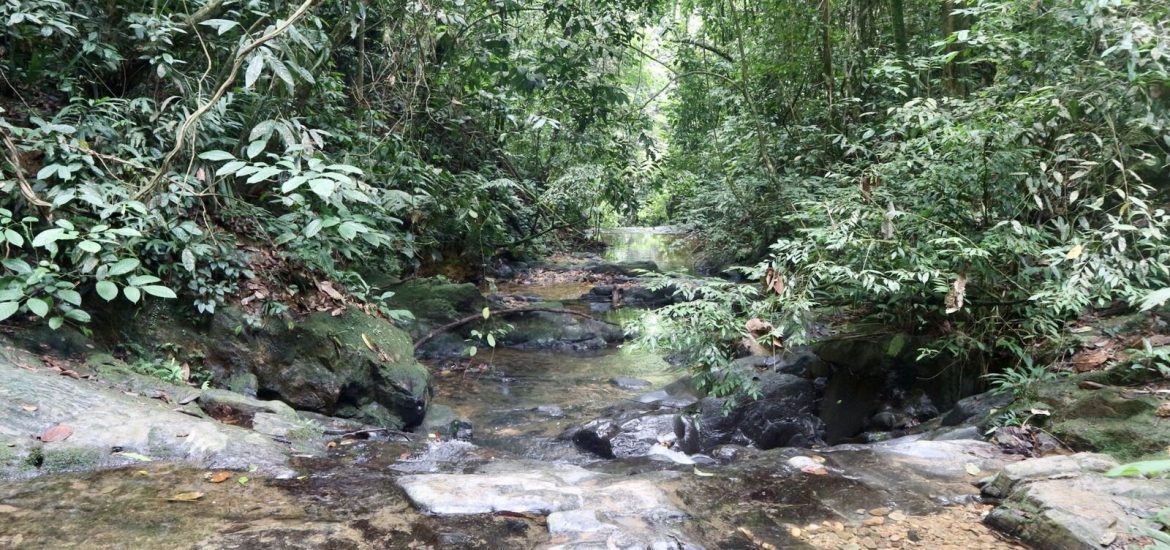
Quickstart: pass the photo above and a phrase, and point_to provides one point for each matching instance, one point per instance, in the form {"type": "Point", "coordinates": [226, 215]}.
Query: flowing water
{"type": "Point", "coordinates": [518, 402]}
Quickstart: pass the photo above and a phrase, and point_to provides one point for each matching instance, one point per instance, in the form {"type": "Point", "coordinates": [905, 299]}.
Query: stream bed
{"type": "Point", "coordinates": [516, 481]}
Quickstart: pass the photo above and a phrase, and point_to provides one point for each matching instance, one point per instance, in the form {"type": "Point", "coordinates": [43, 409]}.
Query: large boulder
{"type": "Point", "coordinates": [628, 434]}
{"type": "Point", "coordinates": [112, 425]}
{"type": "Point", "coordinates": [353, 365]}
{"type": "Point", "coordinates": [1065, 503]}
{"type": "Point", "coordinates": [1110, 420]}
{"type": "Point", "coordinates": [783, 416]}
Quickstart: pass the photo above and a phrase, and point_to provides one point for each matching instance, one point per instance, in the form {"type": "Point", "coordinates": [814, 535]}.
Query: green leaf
{"type": "Point", "coordinates": [255, 65]}
{"type": "Point", "coordinates": [79, 315]}
{"type": "Point", "coordinates": [217, 156]}
{"type": "Point", "coordinates": [313, 228]}
{"type": "Point", "coordinates": [132, 293]}
{"type": "Point", "coordinates": [230, 168]}
{"type": "Point", "coordinates": [188, 259]}
{"type": "Point", "coordinates": [471, 351]}
{"type": "Point", "coordinates": [38, 306]}
{"type": "Point", "coordinates": [348, 230]}
{"type": "Point", "coordinates": [107, 290]}
{"type": "Point", "coordinates": [123, 266]}
{"type": "Point", "coordinates": [1155, 299]}
{"type": "Point", "coordinates": [139, 280]}
{"type": "Point", "coordinates": [14, 238]}
{"type": "Point", "coordinates": [263, 174]}
{"type": "Point", "coordinates": [48, 237]}
{"type": "Point", "coordinates": [11, 295]}
{"type": "Point", "coordinates": [491, 340]}
{"type": "Point", "coordinates": [56, 322]}
{"type": "Point", "coordinates": [1144, 468]}
{"type": "Point", "coordinates": [89, 246]}
{"type": "Point", "coordinates": [70, 296]}
{"type": "Point", "coordinates": [160, 291]}
{"type": "Point", "coordinates": [323, 187]}
{"type": "Point", "coordinates": [257, 147]}
{"type": "Point", "coordinates": [487, 312]}
{"type": "Point", "coordinates": [7, 309]}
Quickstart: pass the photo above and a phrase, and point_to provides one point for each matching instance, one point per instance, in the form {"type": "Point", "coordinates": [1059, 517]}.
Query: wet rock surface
{"type": "Point", "coordinates": [1067, 502]}
{"type": "Point", "coordinates": [109, 427]}
{"type": "Point", "coordinates": [583, 507]}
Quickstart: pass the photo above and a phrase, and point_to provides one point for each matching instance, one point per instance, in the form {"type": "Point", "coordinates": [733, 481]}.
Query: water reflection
{"type": "Point", "coordinates": [668, 247]}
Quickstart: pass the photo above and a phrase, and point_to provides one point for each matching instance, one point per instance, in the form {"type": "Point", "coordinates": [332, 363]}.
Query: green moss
{"type": "Point", "coordinates": [1105, 420]}
{"type": "Point", "coordinates": [69, 459]}
{"type": "Point", "coordinates": [436, 299]}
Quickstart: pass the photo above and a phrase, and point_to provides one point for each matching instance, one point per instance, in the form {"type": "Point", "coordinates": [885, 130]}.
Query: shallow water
{"type": "Point", "coordinates": [502, 400]}
{"type": "Point", "coordinates": [671, 249]}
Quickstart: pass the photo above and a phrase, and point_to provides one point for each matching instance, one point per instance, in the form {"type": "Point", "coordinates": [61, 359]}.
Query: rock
{"type": "Point", "coordinates": [551, 411]}
{"type": "Point", "coordinates": [1106, 420]}
{"type": "Point", "coordinates": [783, 416]}
{"type": "Point", "coordinates": [677, 395]}
{"type": "Point", "coordinates": [544, 330]}
{"type": "Point", "coordinates": [1085, 511]}
{"type": "Point", "coordinates": [585, 508]}
{"type": "Point", "coordinates": [353, 365]}
{"type": "Point", "coordinates": [630, 434]}
{"type": "Point", "coordinates": [435, 301]}
{"type": "Point", "coordinates": [227, 402]}
{"type": "Point", "coordinates": [976, 409]}
{"type": "Point", "coordinates": [443, 420]}
{"type": "Point", "coordinates": [628, 269]}
{"type": "Point", "coordinates": [627, 383]}
{"type": "Point", "coordinates": [106, 423]}
{"type": "Point", "coordinates": [1046, 467]}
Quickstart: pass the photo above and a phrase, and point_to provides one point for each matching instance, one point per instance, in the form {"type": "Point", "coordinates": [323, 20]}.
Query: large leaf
{"type": "Point", "coordinates": [123, 266]}
{"type": "Point", "coordinates": [107, 290]}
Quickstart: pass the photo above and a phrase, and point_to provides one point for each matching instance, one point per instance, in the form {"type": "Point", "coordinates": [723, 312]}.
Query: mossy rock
{"type": "Point", "coordinates": [437, 300]}
{"type": "Point", "coordinates": [334, 365]}
{"type": "Point", "coordinates": [1106, 420]}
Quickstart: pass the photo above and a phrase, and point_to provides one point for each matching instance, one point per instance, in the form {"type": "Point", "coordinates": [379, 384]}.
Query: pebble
{"type": "Point", "coordinates": [871, 522]}
{"type": "Point", "coordinates": [879, 511]}
{"type": "Point", "coordinates": [897, 516]}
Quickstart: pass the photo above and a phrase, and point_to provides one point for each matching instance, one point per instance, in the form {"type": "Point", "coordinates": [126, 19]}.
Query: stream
{"type": "Point", "coordinates": [516, 481]}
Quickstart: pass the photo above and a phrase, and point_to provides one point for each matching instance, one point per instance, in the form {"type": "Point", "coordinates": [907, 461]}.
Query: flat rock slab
{"type": "Point", "coordinates": [110, 428]}
{"type": "Point", "coordinates": [1065, 502]}
{"type": "Point", "coordinates": [1089, 511]}
{"type": "Point", "coordinates": [585, 508]}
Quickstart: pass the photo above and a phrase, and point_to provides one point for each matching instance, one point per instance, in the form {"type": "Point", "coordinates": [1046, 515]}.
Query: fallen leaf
{"type": "Point", "coordinates": [190, 496]}
{"type": "Point", "coordinates": [135, 456]}
{"type": "Point", "coordinates": [1075, 252]}
{"type": "Point", "coordinates": [368, 343]}
{"type": "Point", "coordinates": [59, 432]}
{"type": "Point", "coordinates": [954, 298]}
{"type": "Point", "coordinates": [815, 470]}
{"type": "Point", "coordinates": [330, 444]}
{"type": "Point", "coordinates": [701, 473]}
{"type": "Point", "coordinates": [972, 469]}
{"type": "Point", "coordinates": [327, 288]}
{"type": "Point", "coordinates": [243, 480]}
{"type": "Point", "coordinates": [29, 408]}
{"type": "Point", "coordinates": [218, 477]}
{"type": "Point", "coordinates": [1163, 410]}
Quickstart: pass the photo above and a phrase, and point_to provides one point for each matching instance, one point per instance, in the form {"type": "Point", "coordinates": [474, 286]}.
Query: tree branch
{"type": "Point", "coordinates": [503, 312]}
{"type": "Point", "coordinates": [194, 117]}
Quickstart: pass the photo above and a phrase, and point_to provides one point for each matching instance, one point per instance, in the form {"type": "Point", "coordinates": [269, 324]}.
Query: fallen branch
{"type": "Point", "coordinates": [502, 313]}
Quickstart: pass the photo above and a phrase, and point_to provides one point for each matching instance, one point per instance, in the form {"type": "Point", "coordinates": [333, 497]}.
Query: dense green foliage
{"type": "Point", "coordinates": [981, 171]}
{"type": "Point", "coordinates": [154, 148]}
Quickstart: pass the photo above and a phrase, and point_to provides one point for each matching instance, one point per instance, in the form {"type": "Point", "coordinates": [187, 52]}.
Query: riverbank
{"type": "Point", "coordinates": [550, 439]}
